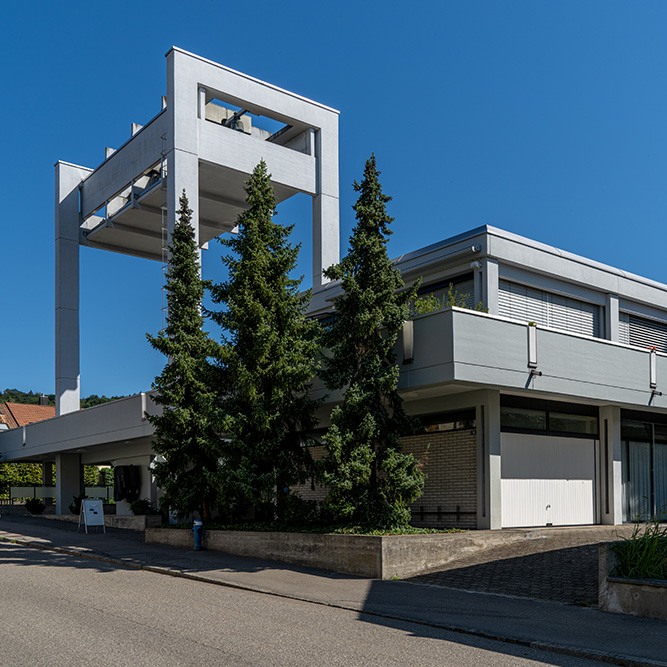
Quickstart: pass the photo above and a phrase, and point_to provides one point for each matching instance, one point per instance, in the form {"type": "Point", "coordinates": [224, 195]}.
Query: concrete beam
{"type": "Point", "coordinates": [133, 158]}
{"type": "Point", "coordinates": [220, 199]}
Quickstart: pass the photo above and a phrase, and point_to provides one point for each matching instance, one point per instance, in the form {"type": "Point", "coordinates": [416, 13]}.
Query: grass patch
{"type": "Point", "coordinates": [643, 555]}
{"type": "Point", "coordinates": [339, 530]}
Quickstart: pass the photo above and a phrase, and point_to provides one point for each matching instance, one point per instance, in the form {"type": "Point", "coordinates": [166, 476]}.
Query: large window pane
{"type": "Point", "coordinates": [559, 421]}
{"type": "Point", "coordinates": [523, 418]}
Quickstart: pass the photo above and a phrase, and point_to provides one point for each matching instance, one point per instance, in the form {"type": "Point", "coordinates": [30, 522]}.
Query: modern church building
{"type": "Point", "coordinates": [544, 408]}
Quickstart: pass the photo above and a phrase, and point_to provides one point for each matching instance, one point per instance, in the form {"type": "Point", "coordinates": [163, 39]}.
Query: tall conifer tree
{"type": "Point", "coordinates": [187, 470]}
{"type": "Point", "coordinates": [267, 358]}
{"type": "Point", "coordinates": [370, 481]}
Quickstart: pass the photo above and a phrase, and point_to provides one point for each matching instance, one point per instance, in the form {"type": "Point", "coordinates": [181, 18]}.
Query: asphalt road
{"type": "Point", "coordinates": [60, 610]}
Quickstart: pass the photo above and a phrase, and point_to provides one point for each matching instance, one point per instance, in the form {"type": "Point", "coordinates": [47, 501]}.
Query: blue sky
{"type": "Point", "coordinates": [547, 118]}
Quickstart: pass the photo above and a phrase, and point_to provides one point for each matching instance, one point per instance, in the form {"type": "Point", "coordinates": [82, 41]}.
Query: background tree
{"type": "Point", "coordinates": [188, 469]}
{"type": "Point", "coordinates": [267, 359]}
{"type": "Point", "coordinates": [370, 481]}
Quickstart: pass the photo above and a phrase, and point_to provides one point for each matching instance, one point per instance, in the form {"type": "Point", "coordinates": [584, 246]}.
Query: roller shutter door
{"type": "Point", "coordinates": [547, 480]}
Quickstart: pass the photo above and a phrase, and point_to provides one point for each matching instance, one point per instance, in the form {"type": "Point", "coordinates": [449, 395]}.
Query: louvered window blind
{"type": "Point", "coordinates": [641, 332]}
{"type": "Point", "coordinates": [528, 304]}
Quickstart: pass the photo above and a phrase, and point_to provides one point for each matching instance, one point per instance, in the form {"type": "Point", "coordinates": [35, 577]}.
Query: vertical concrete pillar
{"type": "Point", "coordinates": [489, 497]}
{"type": "Point", "coordinates": [182, 174]}
{"type": "Point", "coordinates": [67, 221]}
{"type": "Point", "coordinates": [490, 285]}
{"type": "Point", "coordinates": [478, 284]}
{"type": "Point", "coordinates": [47, 478]}
{"type": "Point", "coordinates": [326, 233]}
{"type": "Point", "coordinates": [182, 147]}
{"type": "Point", "coordinates": [612, 317]}
{"type": "Point", "coordinates": [611, 480]}
{"type": "Point", "coordinates": [69, 480]}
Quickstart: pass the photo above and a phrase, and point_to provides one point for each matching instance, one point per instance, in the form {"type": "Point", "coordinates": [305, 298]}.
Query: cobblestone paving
{"type": "Point", "coordinates": [563, 568]}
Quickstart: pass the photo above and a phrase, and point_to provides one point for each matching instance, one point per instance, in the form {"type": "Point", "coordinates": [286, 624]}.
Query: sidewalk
{"type": "Point", "coordinates": [613, 638]}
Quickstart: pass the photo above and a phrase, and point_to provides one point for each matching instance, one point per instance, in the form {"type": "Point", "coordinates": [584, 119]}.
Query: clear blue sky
{"type": "Point", "coordinates": [547, 118]}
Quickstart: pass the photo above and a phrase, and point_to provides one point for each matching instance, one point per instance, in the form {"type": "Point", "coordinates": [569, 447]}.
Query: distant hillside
{"type": "Point", "coordinates": [32, 398]}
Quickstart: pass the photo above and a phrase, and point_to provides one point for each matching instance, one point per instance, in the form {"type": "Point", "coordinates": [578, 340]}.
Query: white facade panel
{"type": "Point", "coordinates": [547, 480]}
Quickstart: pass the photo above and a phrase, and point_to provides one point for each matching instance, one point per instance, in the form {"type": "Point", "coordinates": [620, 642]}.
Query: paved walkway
{"type": "Point", "coordinates": [561, 566]}
{"type": "Point", "coordinates": [554, 627]}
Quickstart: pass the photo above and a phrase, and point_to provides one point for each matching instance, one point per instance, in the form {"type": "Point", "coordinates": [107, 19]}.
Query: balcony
{"type": "Point", "coordinates": [464, 347]}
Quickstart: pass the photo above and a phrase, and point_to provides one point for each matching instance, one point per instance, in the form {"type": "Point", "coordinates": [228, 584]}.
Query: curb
{"type": "Point", "coordinates": [590, 654]}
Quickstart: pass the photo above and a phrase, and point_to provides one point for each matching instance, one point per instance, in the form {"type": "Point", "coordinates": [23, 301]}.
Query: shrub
{"type": "Point", "coordinates": [75, 505]}
{"type": "Point", "coordinates": [142, 506]}
{"type": "Point", "coordinates": [643, 555]}
{"type": "Point", "coordinates": [431, 303]}
{"type": "Point", "coordinates": [35, 505]}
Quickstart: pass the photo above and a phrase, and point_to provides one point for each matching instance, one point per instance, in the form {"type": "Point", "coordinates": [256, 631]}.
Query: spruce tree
{"type": "Point", "coordinates": [187, 469]}
{"type": "Point", "coordinates": [370, 481]}
{"type": "Point", "coordinates": [267, 358]}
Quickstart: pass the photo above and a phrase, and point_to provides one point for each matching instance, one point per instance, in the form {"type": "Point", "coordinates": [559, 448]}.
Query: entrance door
{"type": "Point", "coordinates": [547, 480]}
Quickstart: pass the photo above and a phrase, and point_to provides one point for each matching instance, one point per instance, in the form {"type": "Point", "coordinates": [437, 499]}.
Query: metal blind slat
{"type": "Point", "coordinates": [527, 304]}
{"type": "Point", "coordinates": [646, 333]}
{"type": "Point", "coordinates": [624, 328]}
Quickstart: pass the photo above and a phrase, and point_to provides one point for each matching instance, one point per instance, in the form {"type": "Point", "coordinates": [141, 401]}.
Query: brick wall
{"type": "Point", "coordinates": [449, 459]}
{"type": "Point", "coordinates": [450, 492]}
{"type": "Point", "coordinates": [319, 493]}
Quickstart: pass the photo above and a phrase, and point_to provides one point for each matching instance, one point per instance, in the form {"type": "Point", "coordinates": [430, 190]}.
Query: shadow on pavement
{"type": "Point", "coordinates": [561, 575]}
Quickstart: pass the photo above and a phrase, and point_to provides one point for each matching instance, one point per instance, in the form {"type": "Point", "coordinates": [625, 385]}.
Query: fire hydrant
{"type": "Point", "coordinates": [198, 531]}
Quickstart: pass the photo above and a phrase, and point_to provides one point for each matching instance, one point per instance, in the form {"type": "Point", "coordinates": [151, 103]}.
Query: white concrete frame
{"type": "Point", "coordinates": [182, 138]}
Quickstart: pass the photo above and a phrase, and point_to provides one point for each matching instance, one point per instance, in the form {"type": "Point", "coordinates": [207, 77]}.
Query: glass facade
{"type": "Point", "coordinates": [644, 470]}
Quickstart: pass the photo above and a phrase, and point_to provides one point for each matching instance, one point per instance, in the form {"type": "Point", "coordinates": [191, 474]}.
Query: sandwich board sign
{"type": "Point", "coordinates": [92, 514]}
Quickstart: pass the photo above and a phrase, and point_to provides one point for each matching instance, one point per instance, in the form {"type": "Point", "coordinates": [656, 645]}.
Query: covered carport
{"type": "Point", "coordinates": [116, 433]}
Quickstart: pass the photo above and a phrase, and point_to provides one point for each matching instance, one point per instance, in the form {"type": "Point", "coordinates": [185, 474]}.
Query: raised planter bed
{"type": "Point", "coordinates": [376, 557]}
{"type": "Point", "coordinates": [639, 597]}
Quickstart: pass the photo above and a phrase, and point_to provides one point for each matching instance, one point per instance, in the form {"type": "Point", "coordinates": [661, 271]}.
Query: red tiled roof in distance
{"type": "Point", "coordinates": [7, 416]}
{"type": "Point", "coordinates": [21, 414]}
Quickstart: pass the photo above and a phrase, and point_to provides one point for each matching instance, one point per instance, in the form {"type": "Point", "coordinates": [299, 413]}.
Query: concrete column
{"type": "Point", "coordinates": [69, 480]}
{"type": "Point", "coordinates": [326, 233]}
{"type": "Point", "coordinates": [182, 147]}
{"type": "Point", "coordinates": [47, 478]}
{"type": "Point", "coordinates": [488, 457]}
{"type": "Point", "coordinates": [611, 481]}
{"type": "Point", "coordinates": [490, 285]}
{"type": "Point", "coordinates": [612, 318]}
{"type": "Point", "coordinates": [326, 244]}
{"type": "Point", "coordinates": [67, 221]}
{"type": "Point", "coordinates": [182, 173]}
{"type": "Point", "coordinates": [478, 284]}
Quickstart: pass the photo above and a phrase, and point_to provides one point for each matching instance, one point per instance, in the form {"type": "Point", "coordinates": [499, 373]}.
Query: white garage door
{"type": "Point", "coordinates": [547, 480]}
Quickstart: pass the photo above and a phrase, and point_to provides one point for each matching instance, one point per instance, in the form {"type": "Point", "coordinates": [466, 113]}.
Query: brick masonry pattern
{"type": "Point", "coordinates": [449, 459]}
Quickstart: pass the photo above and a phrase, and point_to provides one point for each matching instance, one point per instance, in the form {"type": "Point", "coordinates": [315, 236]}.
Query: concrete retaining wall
{"type": "Point", "coordinates": [376, 557]}
{"type": "Point", "coordinates": [639, 597]}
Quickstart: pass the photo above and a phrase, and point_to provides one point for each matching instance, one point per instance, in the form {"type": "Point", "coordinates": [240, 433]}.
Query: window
{"type": "Point", "coordinates": [642, 332]}
{"type": "Point", "coordinates": [448, 421]}
{"type": "Point", "coordinates": [463, 286]}
{"type": "Point", "coordinates": [534, 420]}
{"type": "Point", "coordinates": [583, 424]}
{"type": "Point", "coordinates": [548, 417]}
{"type": "Point", "coordinates": [520, 302]}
